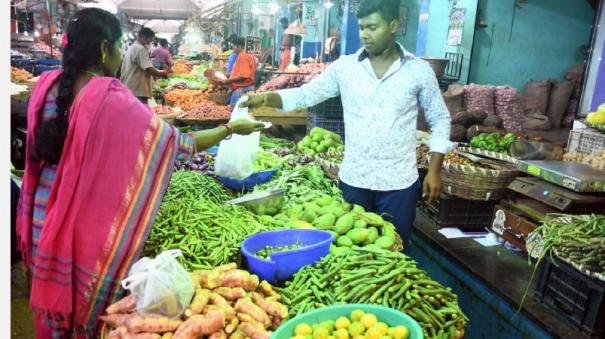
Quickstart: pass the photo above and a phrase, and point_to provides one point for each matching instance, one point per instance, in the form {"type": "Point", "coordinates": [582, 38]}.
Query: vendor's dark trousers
{"type": "Point", "coordinates": [397, 207]}
{"type": "Point", "coordinates": [144, 100]}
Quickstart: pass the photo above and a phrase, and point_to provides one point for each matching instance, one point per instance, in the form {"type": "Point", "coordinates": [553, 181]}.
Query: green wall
{"type": "Point", "coordinates": [546, 41]}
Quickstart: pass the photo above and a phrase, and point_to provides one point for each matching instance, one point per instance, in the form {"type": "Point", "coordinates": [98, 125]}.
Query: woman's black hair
{"type": "Point", "coordinates": [86, 32]}
{"type": "Point", "coordinates": [388, 9]}
{"type": "Point", "coordinates": [164, 43]}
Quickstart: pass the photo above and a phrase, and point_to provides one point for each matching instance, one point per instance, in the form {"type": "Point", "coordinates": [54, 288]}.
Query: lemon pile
{"type": "Point", "coordinates": [359, 325]}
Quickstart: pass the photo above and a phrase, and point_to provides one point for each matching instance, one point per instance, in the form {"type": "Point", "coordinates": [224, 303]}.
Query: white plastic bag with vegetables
{"type": "Point", "coordinates": [236, 156]}
{"type": "Point", "coordinates": [161, 285]}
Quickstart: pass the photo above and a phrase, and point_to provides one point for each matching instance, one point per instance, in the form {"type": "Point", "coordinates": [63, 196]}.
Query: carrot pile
{"type": "Point", "coordinates": [181, 67]}
{"type": "Point", "coordinates": [228, 304]}
{"type": "Point", "coordinates": [20, 75]}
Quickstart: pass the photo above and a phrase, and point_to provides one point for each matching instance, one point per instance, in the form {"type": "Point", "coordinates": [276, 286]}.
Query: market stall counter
{"type": "Point", "coordinates": [490, 283]}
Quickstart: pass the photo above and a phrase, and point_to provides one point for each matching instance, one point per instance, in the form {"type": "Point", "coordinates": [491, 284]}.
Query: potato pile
{"type": "Point", "coordinates": [596, 160]}
{"type": "Point", "coordinates": [228, 304]}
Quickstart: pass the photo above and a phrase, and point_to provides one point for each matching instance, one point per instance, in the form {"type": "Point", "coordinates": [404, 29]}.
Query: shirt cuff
{"type": "Point", "coordinates": [440, 145]}
{"type": "Point", "coordinates": [288, 99]}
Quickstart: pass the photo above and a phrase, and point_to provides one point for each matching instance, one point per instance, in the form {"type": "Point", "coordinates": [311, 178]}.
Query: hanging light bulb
{"type": "Point", "coordinates": [328, 4]}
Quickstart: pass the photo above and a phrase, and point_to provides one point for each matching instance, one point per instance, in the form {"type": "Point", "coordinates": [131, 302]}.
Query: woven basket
{"type": "Point", "coordinates": [219, 98]}
{"type": "Point", "coordinates": [475, 183]}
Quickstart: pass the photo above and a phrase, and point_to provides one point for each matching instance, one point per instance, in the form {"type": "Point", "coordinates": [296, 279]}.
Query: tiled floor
{"type": "Point", "coordinates": [22, 321]}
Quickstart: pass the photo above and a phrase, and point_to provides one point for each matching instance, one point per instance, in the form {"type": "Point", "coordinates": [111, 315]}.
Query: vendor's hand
{"type": "Point", "coordinates": [244, 127]}
{"type": "Point", "coordinates": [432, 186]}
{"type": "Point", "coordinates": [254, 101]}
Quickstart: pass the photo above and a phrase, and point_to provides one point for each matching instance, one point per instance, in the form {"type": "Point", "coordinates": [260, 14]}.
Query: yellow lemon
{"type": "Point", "coordinates": [329, 324]}
{"type": "Point", "coordinates": [384, 328]}
{"type": "Point", "coordinates": [298, 337]}
{"type": "Point", "coordinates": [342, 322]}
{"type": "Point", "coordinates": [368, 320]}
{"type": "Point", "coordinates": [321, 333]}
{"type": "Point", "coordinates": [356, 329]}
{"type": "Point", "coordinates": [359, 337]}
{"type": "Point", "coordinates": [356, 315]}
{"type": "Point", "coordinates": [399, 332]}
{"type": "Point", "coordinates": [341, 333]}
{"type": "Point", "coordinates": [386, 337]}
{"type": "Point", "coordinates": [303, 329]}
{"type": "Point", "coordinates": [374, 332]}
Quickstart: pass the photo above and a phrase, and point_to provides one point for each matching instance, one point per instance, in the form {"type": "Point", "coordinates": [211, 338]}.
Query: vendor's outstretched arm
{"type": "Point", "coordinates": [320, 89]}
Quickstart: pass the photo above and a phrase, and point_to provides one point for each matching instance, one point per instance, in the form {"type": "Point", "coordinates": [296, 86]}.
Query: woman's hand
{"type": "Point", "coordinates": [244, 127]}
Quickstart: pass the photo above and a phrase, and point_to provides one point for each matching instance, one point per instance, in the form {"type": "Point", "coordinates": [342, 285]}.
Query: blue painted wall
{"type": "Point", "coordinates": [546, 41]}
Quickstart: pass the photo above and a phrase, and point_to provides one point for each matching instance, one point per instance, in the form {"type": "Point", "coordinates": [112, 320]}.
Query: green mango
{"type": "Point", "coordinates": [358, 235]}
{"type": "Point", "coordinates": [385, 242]}
{"type": "Point", "coordinates": [344, 224]}
{"type": "Point", "coordinates": [346, 206]}
{"type": "Point", "coordinates": [358, 209]}
{"type": "Point", "coordinates": [295, 212]}
{"type": "Point", "coordinates": [372, 219]}
{"type": "Point", "coordinates": [360, 224]}
{"type": "Point", "coordinates": [324, 222]}
{"type": "Point", "coordinates": [372, 236]}
{"type": "Point", "coordinates": [308, 216]}
{"type": "Point", "coordinates": [345, 241]}
{"type": "Point", "coordinates": [324, 200]}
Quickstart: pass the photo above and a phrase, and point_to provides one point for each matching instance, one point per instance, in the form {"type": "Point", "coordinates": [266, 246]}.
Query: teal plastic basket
{"type": "Point", "coordinates": [384, 314]}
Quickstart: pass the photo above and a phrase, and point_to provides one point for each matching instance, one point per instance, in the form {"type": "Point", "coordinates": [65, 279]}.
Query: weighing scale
{"type": "Point", "coordinates": [553, 196]}
{"type": "Point", "coordinates": [571, 175]}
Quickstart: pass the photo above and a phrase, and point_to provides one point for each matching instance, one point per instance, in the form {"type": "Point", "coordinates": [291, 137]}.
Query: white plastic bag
{"type": "Point", "coordinates": [162, 286]}
{"type": "Point", "coordinates": [236, 156]}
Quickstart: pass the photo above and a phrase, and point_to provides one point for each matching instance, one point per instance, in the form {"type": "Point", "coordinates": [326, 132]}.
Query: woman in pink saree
{"type": "Point", "coordinates": [98, 165]}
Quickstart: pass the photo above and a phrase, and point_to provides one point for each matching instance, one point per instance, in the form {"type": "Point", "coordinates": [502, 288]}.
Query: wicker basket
{"type": "Point", "coordinates": [219, 98]}
{"type": "Point", "coordinates": [476, 183]}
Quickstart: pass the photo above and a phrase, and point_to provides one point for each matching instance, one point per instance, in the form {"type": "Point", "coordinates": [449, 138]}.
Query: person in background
{"type": "Point", "coordinates": [331, 51]}
{"type": "Point", "coordinates": [242, 77]}
{"type": "Point", "coordinates": [382, 86]}
{"type": "Point", "coordinates": [98, 163]}
{"type": "Point", "coordinates": [286, 43]}
{"type": "Point", "coordinates": [137, 70]}
{"type": "Point", "coordinates": [231, 41]}
{"type": "Point", "coordinates": [161, 56]}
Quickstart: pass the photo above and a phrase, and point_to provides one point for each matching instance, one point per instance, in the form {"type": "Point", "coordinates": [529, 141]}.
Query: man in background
{"type": "Point", "coordinates": [242, 76]}
{"type": "Point", "coordinates": [286, 43]}
{"type": "Point", "coordinates": [137, 70]}
{"type": "Point", "coordinates": [161, 57]}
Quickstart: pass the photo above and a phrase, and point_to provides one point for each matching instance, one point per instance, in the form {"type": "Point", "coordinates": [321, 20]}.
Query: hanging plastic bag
{"type": "Point", "coordinates": [162, 286]}
{"type": "Point", "coordinates": [236, 156]}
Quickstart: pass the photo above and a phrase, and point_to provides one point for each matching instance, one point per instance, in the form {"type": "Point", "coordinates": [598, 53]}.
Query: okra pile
{"type": "Point", "coordinates": [381, 277]}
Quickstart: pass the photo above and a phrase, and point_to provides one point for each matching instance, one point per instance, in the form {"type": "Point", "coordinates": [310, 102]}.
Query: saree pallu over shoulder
{"type": "Point", "coordinates": [115, 168]}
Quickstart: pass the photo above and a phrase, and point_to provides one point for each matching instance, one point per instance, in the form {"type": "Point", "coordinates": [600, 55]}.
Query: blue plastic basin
{"type": "Point", "coordinates": [283, 265]}
{"type": "Point", "coordinates": [249, 182]}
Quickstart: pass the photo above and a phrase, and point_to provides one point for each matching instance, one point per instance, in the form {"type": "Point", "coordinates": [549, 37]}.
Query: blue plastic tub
{"type": "Point", "coordinates": [49, 62]}
{"type": "Point", "coordinates": [248, 183]}
{"type": "Point", "coordinates": [283, 265]}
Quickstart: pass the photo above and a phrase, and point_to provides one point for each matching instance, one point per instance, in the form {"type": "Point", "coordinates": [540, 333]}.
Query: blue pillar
{"type": "Point", "coordinates": [350, 30]}
{"type": "Point", "coordinates": [598, 97]}
{"type": "Point", "coordinates": [423, 27]}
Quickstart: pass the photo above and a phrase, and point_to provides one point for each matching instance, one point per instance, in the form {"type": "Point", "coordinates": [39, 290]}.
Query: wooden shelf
{"type": "Point", "coordinates": [280, 118]}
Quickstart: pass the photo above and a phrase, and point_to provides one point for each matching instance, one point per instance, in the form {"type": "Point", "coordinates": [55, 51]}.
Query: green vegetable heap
{"type": "Point", "coordinates": [380, 277]}
{"type": "Point", "coordinates": [493, 141]}
{"type": "Point", "coordinates": [264, 253]}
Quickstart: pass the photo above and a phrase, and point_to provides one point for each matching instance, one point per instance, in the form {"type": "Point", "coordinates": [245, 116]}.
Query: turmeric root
{"type": "Point", "coordinates": [272, 308]}
{"type": "Point", "coordinates": [200, 325]}
{"type": "Point", "coordinates": [218, 335]}
{"type": "Point", "coordinates": [224, 305]}
{"type": "Point", "coordinates": [245, 318]}
{"type": "Point", "coordinates": [231, 294]}
{"type": "Point", "coordinates": [116, 320]}
{"type": "Point", "coordinates": [239, 278]}
{"type": "Point", "coordinates": [237, 334]}
{"type": "Point", "coordinates": [199, 302]}
{"type": "Point", "coordinates": [246, 305]}
{"type": "Point", "coordinates": [267, 290]}
{"type": "Point", "coordinates": [226, 267]}
{"type": "Point", "coordinates": [232, 325]}
{"type": "Point", "coordinates": [195, 279]}
{"type": "Point", "coordinates": [154, 324]}
{"type": "Point", "coordinates": [123, 333]}
{"type": "Point", "coordinates": [168, 335]}
{"type": "Point", "coordinates": [209, 279]}
{"type": "Point", "coordinates": [255, 331]}
{"type": "Point", "coordinates": [127, 304]}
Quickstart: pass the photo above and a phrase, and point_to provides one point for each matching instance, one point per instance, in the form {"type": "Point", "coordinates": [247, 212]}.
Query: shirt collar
{"type": "Point", "coordinates": [362, 54]}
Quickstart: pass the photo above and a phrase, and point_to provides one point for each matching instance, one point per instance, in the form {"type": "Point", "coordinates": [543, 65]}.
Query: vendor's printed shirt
{"type": "Point", "coordinates": [380, 116]}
